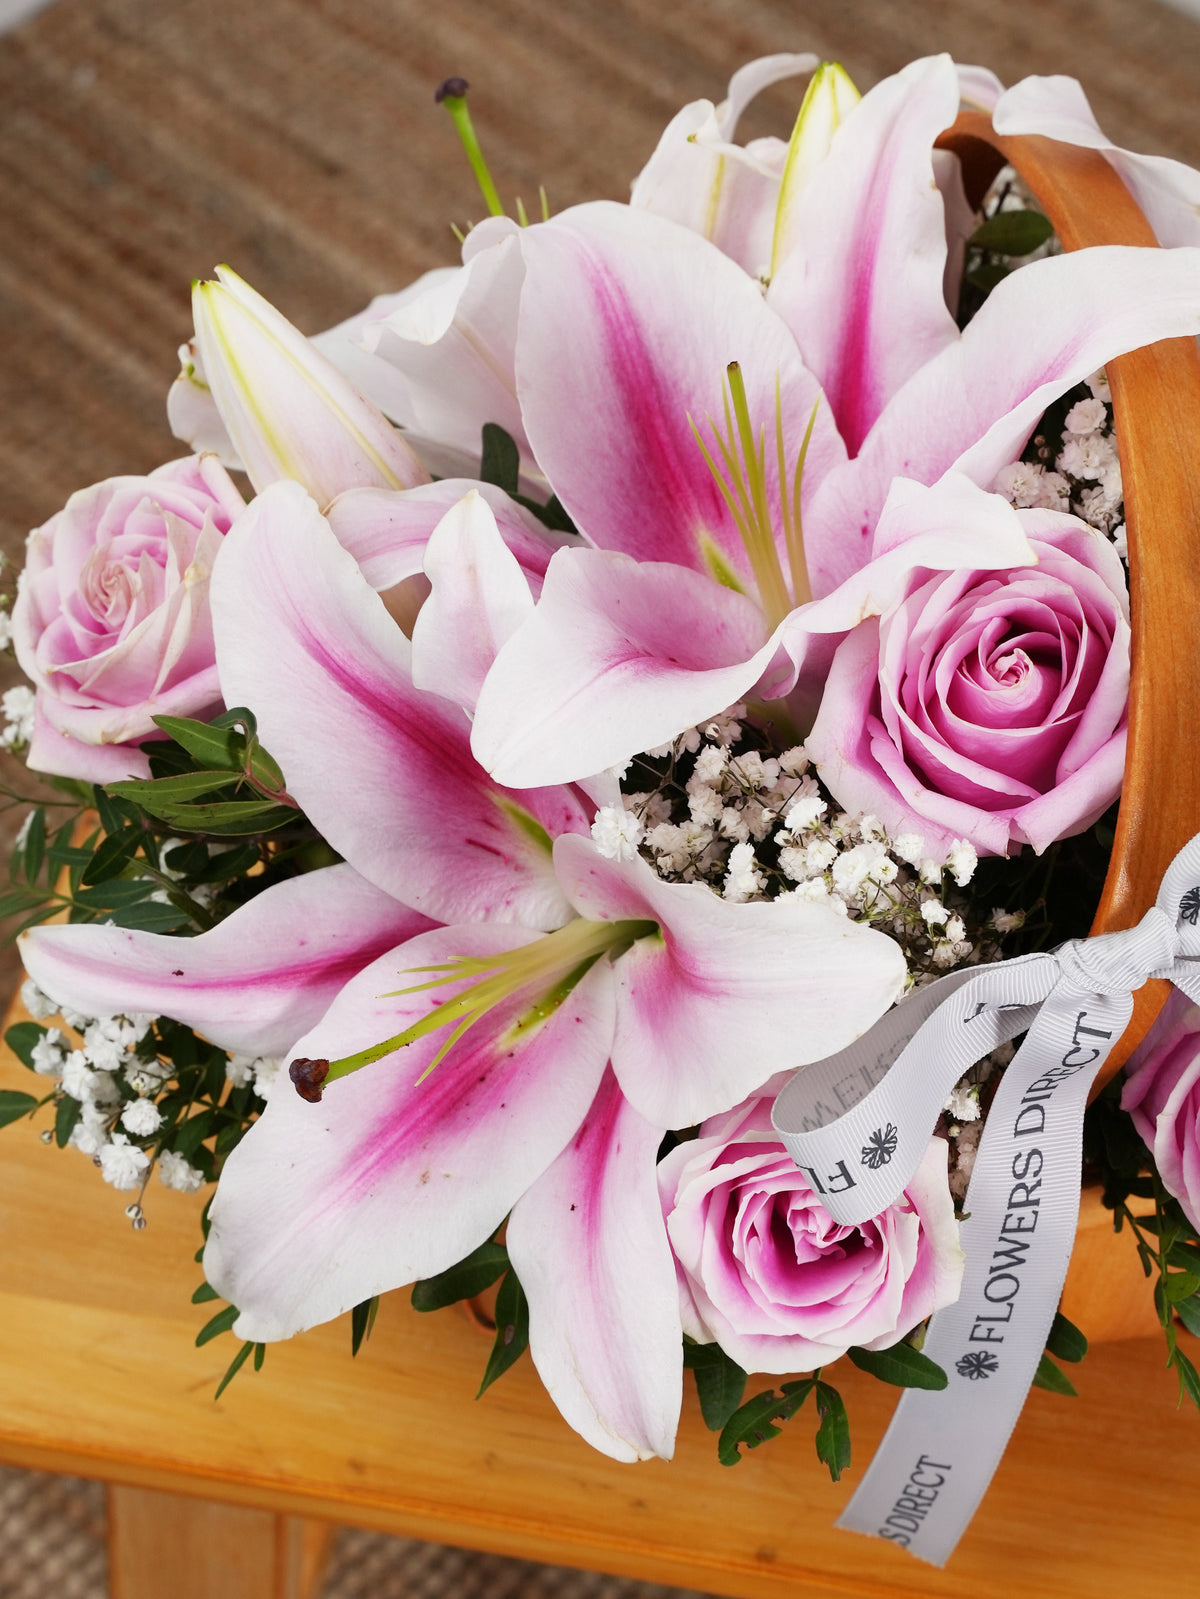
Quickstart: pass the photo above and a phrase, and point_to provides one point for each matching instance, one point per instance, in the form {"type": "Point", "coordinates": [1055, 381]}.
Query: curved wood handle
{"type": "Point", "coordinates": [1156, 402]}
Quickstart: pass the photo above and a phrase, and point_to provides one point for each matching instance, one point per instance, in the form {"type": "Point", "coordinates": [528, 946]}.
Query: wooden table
{"type": "Point", "coordinates": [140, 143]}
{"type": "Point", "coordinates": [101, 1378]}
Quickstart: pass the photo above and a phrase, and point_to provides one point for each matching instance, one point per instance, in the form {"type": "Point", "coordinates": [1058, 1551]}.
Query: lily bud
{"type": "Point", "coordinates": [830, 98]}
{"type": "Point", "coordinates": [288, 411]}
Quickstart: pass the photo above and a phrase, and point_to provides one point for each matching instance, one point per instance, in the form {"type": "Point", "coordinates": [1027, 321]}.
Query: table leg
{"type": "Point", "coordinates": [170, 1546]}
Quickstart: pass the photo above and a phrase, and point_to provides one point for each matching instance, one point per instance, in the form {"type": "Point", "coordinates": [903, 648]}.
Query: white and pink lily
{"type": "Point", "coordinates": [590, 1004]}
{"type": "Point", "coordinates": [687, 602]}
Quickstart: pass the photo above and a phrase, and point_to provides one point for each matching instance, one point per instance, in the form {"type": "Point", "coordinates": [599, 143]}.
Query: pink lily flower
{"type": "Point", "coordinates": [591, 1005]}
{"type": "Point", "coordinates": [694, 596]}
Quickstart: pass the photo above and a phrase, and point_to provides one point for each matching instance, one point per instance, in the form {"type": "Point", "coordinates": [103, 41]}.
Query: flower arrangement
{"type": "Point", "coordinates": [636, 662]}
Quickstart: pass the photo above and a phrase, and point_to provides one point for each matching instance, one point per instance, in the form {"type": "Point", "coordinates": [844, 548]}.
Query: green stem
{"type": "Point", "coordinates": [453, 95]}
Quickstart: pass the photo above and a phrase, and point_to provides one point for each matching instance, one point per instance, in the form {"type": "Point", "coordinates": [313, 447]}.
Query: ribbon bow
{"type": "Point", "coordinates": [858, 1124]}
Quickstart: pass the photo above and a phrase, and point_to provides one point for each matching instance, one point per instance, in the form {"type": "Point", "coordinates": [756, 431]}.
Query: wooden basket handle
{"type": "Point", "coordinates": [1156, 405]}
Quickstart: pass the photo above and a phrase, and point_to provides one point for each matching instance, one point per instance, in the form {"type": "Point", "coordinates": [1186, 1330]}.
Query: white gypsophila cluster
{"type": "Point", "coordinates": [175, 1172]}
{"type": "Point", "coordinates": [257, 1070]}
{"type": "Point", "coordinates": [753, 825]}
{"type": "Point", "coordinates": [961, 1121]}
{"type": "Point", "coordinates": [17, 705]}
{"type": "Point", "coordinates": [6, 629]}
{"type": "Point", "coordinates": [1086, 476]}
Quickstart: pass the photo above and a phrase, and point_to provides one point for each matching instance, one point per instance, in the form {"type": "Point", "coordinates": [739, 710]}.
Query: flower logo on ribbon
{"type": "Point", "coordinates": [979, 1363]}
{"type": "Point", "coordinates": [880, 1147]}
{"type": "Point", "coordinates": [1189, 907]}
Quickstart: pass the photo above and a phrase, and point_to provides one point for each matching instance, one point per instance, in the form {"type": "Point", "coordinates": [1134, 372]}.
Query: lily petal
{"type": "Point", "coordinates": [478, 599]}
{"type": "Point", "coordinates": [590, 1249]}
{"type": "Point", "coordinates": [288, 411]}
{"type": "Point", "coordinates": [380, 767]}
{"type": "Point", "coordinates": [254, 983]}
{"type": "Point", "coordinates": [861, 289]}
{"type": "Point", "coordinates": [829, 101]}
{"type": "Point", "coordinates": [707, 1007]}
{"type": "Point", "coordinates": [627, 325]}
{"type": "Point", "coordinates": [391, 1178]}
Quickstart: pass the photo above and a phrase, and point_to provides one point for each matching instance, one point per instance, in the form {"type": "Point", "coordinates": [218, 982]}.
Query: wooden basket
{"type": "Point", "coordinates": [1156, 404]}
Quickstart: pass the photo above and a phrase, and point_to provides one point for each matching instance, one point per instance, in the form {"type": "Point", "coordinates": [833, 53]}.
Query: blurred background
{"type": "Point", "coordinates": [144, 141]}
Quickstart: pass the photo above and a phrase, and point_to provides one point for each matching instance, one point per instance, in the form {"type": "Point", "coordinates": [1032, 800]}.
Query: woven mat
{"type": "Point", "coordinates": [141, 143]}
{"type": "Point", "coordinates": [52, 1547]}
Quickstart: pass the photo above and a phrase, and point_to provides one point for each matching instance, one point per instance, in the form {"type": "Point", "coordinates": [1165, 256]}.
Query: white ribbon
{"type": "Point", "coordinates": [858, 1124]}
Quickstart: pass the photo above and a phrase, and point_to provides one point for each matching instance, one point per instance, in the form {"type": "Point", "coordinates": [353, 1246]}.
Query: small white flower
{"type": "Point", "coordinates": [105, 1053]}
{"type": "Point", "coordinates": [1086, 416]}
{"type": "Point", "coordinates": [1019, 483]}
{"type": "Point", "coordinates": [175, 1172]}
{"type": "Point", "coordinates": [239, 1070]}
{"type": "Point", "coordinates": [804, 813]}
{"type": "Point", "coordinates": [909, 848]}
{"type": "Point", "coordinates": [123, 1164]}
{"type": "Point", "coordinates": [711, 763]}
{"type": "Point", "coordinates": [962, 1102]}
{"type": "Point", "coordinates": [141, 1118]}
{"type": "Point", "coordinates": [815, 888]}
{"type": "Point", "coordinates": [38, 1005]}
{"type": "Point", "coordinates": [742, 881]}
{"type": "Point", "coordinates": [18, 707]}
{"type": "Point", "coordinates": [90, 1133]}
{"type": "Point", "coordinates": [75, 1019]}
{"type": "Point", "coordinates": [956, 932]}
{"type": "Point", "coordinates": [1087, 457]}
{"type": "Point", "coordinates": [77, 1076]}
{"type": "Point", "coordinates": [48, 1054]}
{"type": "Point", "coordinates": [930, 872]}
{"type": "Point", "coordinates": [146, 1076]}
{"type": "Point", "coordinates": [935, 913]}
{"type": "Point", "coordinates": [794, 762]}
{"type": "Point", "coordinates": [1098, 383]}
{"type": "Point", "coordinates": [962, 861]}
{"type": "Point", "coordinates": [1053, 493]}
{"type": "Point", "coordinates": [265, 1074]}
{"type": "Point", "coordinates": [853, 867]}
{"type": "Point", "coordinates": [617, 833]}
{"type": "Point", "coordinates": [1007, 921]}
{"type": "Point", "coordinates": [1121, 541]}
{"type": "Point", "coordinates": [5, 630]}
{"type": "Point", "coordinates": [705, 805]}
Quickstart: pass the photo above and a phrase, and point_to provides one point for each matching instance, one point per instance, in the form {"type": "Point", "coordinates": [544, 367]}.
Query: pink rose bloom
{"type": "Point", "coordinates": [987, 706]}
{"type": "Point", "coordinates": [1162, 1095]}
{"type": "Point", "coordinates": [112, 623]}
{"type": "Point", "coordinates": [767, 1273]}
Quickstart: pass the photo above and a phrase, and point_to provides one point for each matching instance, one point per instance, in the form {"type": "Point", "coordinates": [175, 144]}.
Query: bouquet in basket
{"type": "Point", "coordinates": [555, 754]}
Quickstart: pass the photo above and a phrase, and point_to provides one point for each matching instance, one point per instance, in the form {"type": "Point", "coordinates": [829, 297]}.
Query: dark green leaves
{"type": "Point", "coordinates": [470, 1277]}
{"type": "Point", "coordinates": [221, 1322]}
{"type": "Point", "coordinates": [755, 1421]}
{"type": "Point", "coordinates": [833, 1435]}
{"type": "Point", "coordinates": [501, 460]}
{"type": "Point", "coordinates": [1052, 1377]}
{"type": "Point", "coordinates": [512, 1330]}
{"type": "Point", "coordinates": [66, 1118]}
{"type": "Point", "coordinates": [1065, 1340]}
{"type": "Point", "coordinates": [22, 1038]}
{"type": "Point", "coordinates": [720, 1382]}
{"type": "Point", "coordinates": [901, 1365]}
{"type": "Point", "coordinates": [362, 1320]}
{"type": "Point", "coordinates": [1012, 233]}
{"type": "Point", "coordinates": [13, 1106]}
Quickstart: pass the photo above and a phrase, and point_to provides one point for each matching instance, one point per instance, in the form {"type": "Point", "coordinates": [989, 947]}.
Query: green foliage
{"type": "Point", "coordinates": [1065, 1339]}
{"type": "Point", "coordinates": [833, 1435]}
{"type": "Point", "coordinates": [1052, 1377]}
{"type": "Point", "coordinates": [470, 1277]}
{"type": "Point", "coordinates": [1011, 233]}
{"type": "Point", "coordinates": [901, 1365]}
{"type": "Point", "coordinates": [500, 463]}
{"type": "Point", "coordinates": [755, 1422]}
{"type": "Point", "coordinates": [720, 1382]}
{"type": "Point", "coordinates": [221, 1322]}
{"type": "Point", "coordinates": [362, 1320]}
{"type": "Point", "coordinates": [15, 1106]}
{"type": "Point", "coordinates": [22, 1038]}
{"type": "Point", "coordinates": [512, 1330]}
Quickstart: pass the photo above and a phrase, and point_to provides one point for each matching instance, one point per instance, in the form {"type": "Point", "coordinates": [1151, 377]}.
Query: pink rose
{"type": "Point", "coordinates": [111, 622]}
{"type": "Point", "coordinates": [766, 1272]}
{"type": "Point", "coordinates": [987, 706]}
{"type": "Point", "coordinates": [1162, 1095]}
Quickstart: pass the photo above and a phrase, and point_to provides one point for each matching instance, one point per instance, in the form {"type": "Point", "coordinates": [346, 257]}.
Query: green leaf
{"type": "Point", "coordinates": [204, 1293]}
{"type": "Point", "coordinates": [362, 1319]}
{"type": "Point", "coordinates": [235, 1365]}
{"type": "Point", "coordinates": [553, 514]}
{"type": "Point", "coordinates": [720, 1382]}
{"type": "Point", "coordinates": [260, 1354]}
{"type": "Point", "coordinates": [209, 744]}
{"type": "Point", "coordinates": [153, 793]}
{"type": "Point", "coordinates": [112, 855]}
{"type": "Point", "coordinates": [1051, 1377]}
{"type": "Point", "coordinates": [1012, 233]}
{"type": "Point", "coordinates": [1180, 1285]}
{"type": "Point", "coordinates": [221, 1322]}
{"type": "Point", "coordinates": [118, 891]}
{"type": "Point", "coordinates": [231, 818]}
{"type": "Point", "coordinates": [1065, 1340]}
{"type": "Point", "coordinates": [1189, 1381]}
{"type": "Point", "coordinates": [19, 900]}
{"type": "Point", "coordinates": [1188, 1311]}
{"type": "Point", "coordinates": [151, 917]}
{"type": "Point", "coordinates": [512, 1330]}
{"type": "Point", "coordinates": [114, 814]}
{"type": "Point", "coordinates": [501, 460]}
{"type": "Point", "coordinates": [987, 276]}
{"type": "Point", "coordinates": [471, 1276]}
{"type": "Point", "coordinates": [66, 1116]}
{"type": "Point", "coordinates": [21, 1038]}
{"type": "Point", "coordinates": [754, 1422]}
{"type": "Point", "coordinates": [33, 852]}
{"type": "Point", "coordinates": [14, 1105]}
{"type": "Point", "coordinates": [833, 1435]}
{"type": "Point", "coordinates": [901, 1365]}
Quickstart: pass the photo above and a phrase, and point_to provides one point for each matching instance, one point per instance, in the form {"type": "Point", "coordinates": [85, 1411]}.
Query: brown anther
{"type": "Point", "coordinates": [308, 1075]}
{"type": "Point", "coordinates": [452, 88]}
